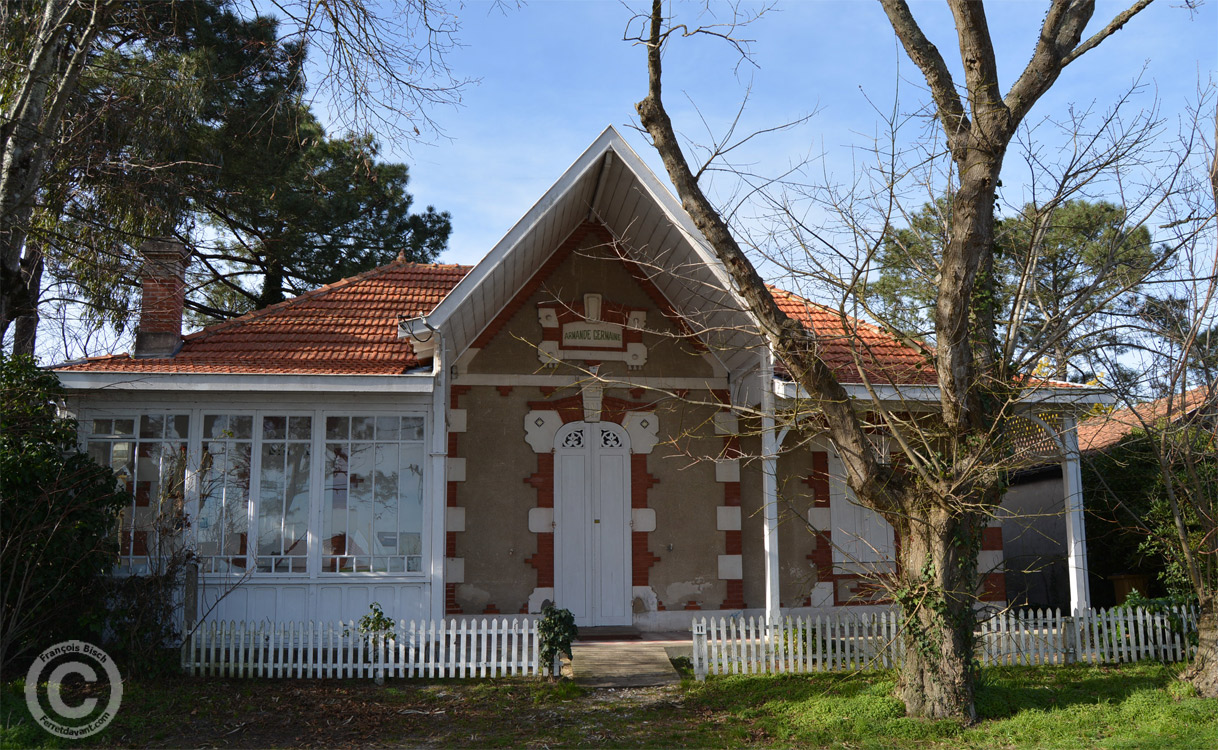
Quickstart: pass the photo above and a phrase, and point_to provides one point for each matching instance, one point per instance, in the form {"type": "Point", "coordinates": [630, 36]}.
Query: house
{"type": "Point", "coordinates": [560, 422]}
{"type": "Point", "coordinates": [1034, 532]}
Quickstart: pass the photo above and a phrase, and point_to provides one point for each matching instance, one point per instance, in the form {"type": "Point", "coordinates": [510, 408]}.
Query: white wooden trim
{"type": "Point", "coordinates": [562, 381]}
{"type": "Point", "coordinates": [1077, 395]}
{"type": "Point", "coordinates": [421, 382]}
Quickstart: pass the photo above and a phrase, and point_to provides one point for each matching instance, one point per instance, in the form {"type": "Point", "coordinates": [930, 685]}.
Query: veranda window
{"type": "Point", "coordinates": [258, 501]}
{"type": "Point", "coordinates": [283, 494]}
{"type": "Point", "coordinates": [372, 512]}
{"type": "Point", "coordinates": [222, 521]}
{"type": "Point", "coordinates": [148, 453]}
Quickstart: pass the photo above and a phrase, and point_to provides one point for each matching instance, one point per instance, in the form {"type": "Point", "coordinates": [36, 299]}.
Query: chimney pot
{"type": "Point", "coordinates": [163, 286]}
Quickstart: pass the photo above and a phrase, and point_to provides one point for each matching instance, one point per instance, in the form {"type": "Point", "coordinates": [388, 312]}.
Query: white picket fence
{"type": "Point", "coordinates": [874, 641]}
{"type": "Point", "coordinates": [447, 648]}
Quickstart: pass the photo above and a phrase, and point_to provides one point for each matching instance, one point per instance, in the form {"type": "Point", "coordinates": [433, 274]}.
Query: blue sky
{"type": "Point", "coordinates": [554, 74]}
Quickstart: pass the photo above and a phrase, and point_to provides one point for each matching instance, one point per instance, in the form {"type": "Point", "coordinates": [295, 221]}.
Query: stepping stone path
{"type": "Point", "coordinates": [621, 663]}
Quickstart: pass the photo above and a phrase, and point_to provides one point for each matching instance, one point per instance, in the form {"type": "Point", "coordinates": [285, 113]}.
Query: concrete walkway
{"type": "Point", "coordinates": [624, 663]}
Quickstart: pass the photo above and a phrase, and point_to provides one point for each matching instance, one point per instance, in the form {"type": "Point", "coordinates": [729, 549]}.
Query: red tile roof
{"type": "Point", "coordinates": [350, 328]}
{"type": "Point", "coordinates": [883, 357]}
{"type": "Point", "coordinates": [1106, 430]}
{"type": "Point", "coordinates": [345, 328]}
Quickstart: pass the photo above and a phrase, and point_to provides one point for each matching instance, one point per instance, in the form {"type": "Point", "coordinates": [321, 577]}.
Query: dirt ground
{"type": "Point", "coordinates": [256, 714]}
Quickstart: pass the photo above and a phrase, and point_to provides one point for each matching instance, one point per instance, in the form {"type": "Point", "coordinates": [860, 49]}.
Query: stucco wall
{"type": "Point", "coordinates": [586, 266]}
{"type": "Point", "coordinates": [685, 500]}
{"type": "Point", "coordinates": [796, 573]}
{"type": "Point", "coordinates": [496, 543]}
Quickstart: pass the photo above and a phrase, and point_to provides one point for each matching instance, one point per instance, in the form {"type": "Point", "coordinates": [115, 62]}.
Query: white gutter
{"type": "Point", "coordinates": [420, 382]}
{"type": "Point", "coordinates": [1082, 395]}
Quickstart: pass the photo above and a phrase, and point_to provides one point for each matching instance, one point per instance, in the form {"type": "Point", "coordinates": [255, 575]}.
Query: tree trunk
{"type": "Point", "coordinates": [1203, 672]}
{"type": "Point", "coordinates": [964, 355]}
{"type": "Point", "coordinates": [936, 589]}
{"type": "Point", "coordinates": [272, 284]}
{"type": "Point", "coordinates": [25, 328]}
{"type": "Point", "coordinates": [37, 105]}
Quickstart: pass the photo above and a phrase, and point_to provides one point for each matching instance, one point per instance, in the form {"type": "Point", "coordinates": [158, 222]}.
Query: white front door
{"type": "Point", "coordinates": [592, 523]}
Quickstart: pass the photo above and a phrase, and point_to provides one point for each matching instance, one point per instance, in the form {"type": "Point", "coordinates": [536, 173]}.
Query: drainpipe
{"type": "Point", "coordinates": [769, 487]}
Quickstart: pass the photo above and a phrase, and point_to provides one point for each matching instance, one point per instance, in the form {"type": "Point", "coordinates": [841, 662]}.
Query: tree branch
{"type": "Point", "coordinates": [926, 56]}
{"type": "Point", "coordinates": [788, 338]}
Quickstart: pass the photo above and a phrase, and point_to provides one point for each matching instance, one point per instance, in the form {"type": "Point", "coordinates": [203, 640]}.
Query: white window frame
{"type": "Point", "coordinates": [196, 411]}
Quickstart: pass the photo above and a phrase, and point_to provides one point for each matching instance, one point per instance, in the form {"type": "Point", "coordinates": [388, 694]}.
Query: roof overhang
{"type": "Point", "coordinates": [1079, 396]}
{"type": "Point", "coordinates": [420, 382]}
{"type": "Point", "coordinates": [611, 184]}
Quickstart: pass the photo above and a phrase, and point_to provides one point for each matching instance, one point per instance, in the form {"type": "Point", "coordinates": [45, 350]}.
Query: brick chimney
{"type": "Point", "coordinates": [164, 290]}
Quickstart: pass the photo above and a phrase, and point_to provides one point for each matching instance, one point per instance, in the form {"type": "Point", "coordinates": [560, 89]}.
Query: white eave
{"type": "Point", "coordinates": [1065, 395]}
{"type": "Point", "coordinates": [611, 184]}
{"type": "Point", "coordinates": [421, 382]}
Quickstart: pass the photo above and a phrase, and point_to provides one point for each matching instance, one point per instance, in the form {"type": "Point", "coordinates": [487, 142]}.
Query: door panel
{"type": "Point", "coordinates": [571, 520]}
{"type": "Point", "coordinates": [592, 523]}
{"type": "Point", "coordinates": [612, 540]}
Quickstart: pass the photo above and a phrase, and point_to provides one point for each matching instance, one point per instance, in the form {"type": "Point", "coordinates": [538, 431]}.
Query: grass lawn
{"type": "Point", "coordinates": [1132, 706]}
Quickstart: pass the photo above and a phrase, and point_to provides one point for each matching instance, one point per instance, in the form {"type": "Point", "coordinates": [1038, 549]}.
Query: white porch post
{"type": "Point", "coordinates": [769, 487]}
{"type": "Point", "coordinates": [437, 468]}
{"type": "Point", "coordinates": [1076, 529]}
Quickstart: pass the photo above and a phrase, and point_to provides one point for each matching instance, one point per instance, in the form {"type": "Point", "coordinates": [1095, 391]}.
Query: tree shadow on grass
{"type": "Point", "coordinates": [1004, 692]}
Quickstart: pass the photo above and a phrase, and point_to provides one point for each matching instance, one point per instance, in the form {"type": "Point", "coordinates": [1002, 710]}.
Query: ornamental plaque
{"type": "Point", "coordinates": [591, 329]}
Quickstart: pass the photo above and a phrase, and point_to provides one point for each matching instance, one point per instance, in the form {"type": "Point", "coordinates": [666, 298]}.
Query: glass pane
{"type": "Point", "coordinates": [360, 510]}
{"type": "Point", "coordinates": [337, 427]}
{"type": "Point", "coordinates": [385, 495]}
{"type": "Point", "coordinates": [361, 428]}
{"type": "Point", "coordinates": [296, 500]}
{"type": "Point", "coordinates": [412, 544]}
{"type": "Point", "coordinates": [151, 425]}
{"type": "Point", "coordinates": [100, 452]}
{"type": "Point", "coordinates": [388, 428]}
{"type": "Point", "coordinates": [270, 500]}
{"type": "Point", "coordinates": [124, 426]}
{"type": "Point", "coordinates": [334, 510]}
{"type": "Point", "coordinates": [147, 476]}
{"type": "Point", "coordinates": [178, 427]}
{"type": "Point", "coordinates": [411, 489]}
{"type": "Point", "coordinates": [274, 428]}
{"type": "Point", "coordinates": [215, 425]}
{"type": "Point", "coordinates": [103, 426]}
{"type": "Point", "coordinates": [412, 428]}
{"type": "Point", "coordinates": [300, 428]}
{"type": "Point", "coordinates": [241, 427]}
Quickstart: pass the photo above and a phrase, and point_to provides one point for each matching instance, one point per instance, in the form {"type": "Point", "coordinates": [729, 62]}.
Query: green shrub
{"type": "Point", "coordinates": [58, 511]}
{"type": "Point", "coordinates": [557, 631]}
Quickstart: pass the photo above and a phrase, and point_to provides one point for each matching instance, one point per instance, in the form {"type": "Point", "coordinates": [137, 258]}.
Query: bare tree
{"type": "Point", "coordinates": [951, 473]}
{"type": "Point", "coordinates": [383, 64]}
{"type": "Point", "coordinates": [1167, 445]}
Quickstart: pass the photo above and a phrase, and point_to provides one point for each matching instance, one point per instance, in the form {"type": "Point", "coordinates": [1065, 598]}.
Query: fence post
{"type": "Point", "coordinates": [1070, 642]}
{"type": "Point", "coordinates": [700, 649]}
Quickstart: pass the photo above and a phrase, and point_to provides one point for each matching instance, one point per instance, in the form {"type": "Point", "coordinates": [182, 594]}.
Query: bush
{"type": "Point", "coordinates": [58, 511]}
{"type": "Point", "coordinates": [557, 631]}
